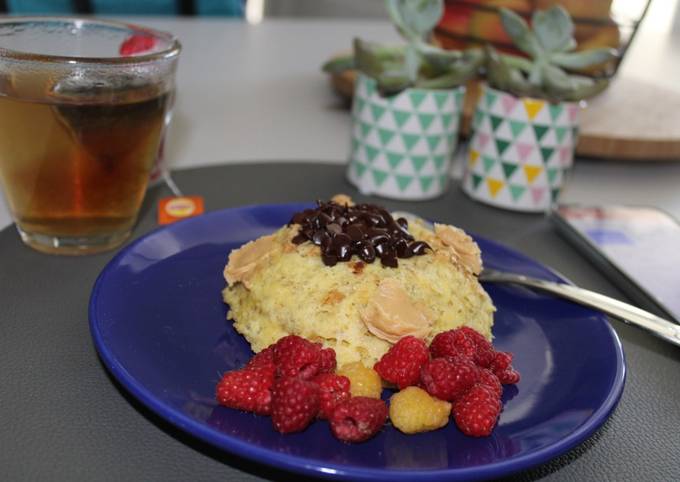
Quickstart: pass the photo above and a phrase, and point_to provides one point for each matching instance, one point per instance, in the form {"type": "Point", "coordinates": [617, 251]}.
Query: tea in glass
{"type": "Point", "coordinates": [79, 133]}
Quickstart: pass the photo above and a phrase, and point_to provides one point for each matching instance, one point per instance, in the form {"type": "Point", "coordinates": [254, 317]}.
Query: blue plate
{"type": "Point", "coordinates": [159, 324]}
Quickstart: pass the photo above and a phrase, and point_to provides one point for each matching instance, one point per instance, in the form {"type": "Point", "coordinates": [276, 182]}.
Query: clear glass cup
{"type": "Point", "coordinates": [83, 106]}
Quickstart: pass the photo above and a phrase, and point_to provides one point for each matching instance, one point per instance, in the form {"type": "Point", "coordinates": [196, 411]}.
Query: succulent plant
{"type": "Point", "coordinates": [417, 63]}
{"type": "Point", "coordinates": [550, 46]}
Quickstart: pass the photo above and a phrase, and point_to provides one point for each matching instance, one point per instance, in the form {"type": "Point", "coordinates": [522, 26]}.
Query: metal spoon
{"type": "Point", "coordinates": [658, 326]}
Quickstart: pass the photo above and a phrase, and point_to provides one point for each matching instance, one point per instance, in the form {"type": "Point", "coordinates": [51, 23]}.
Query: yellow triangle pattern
{"type": "Point", "coordinates": [494, 186]}
{"type": "Point", "coordinates": [472, 160]}
{"type": "Point", "coordinates": [533, 107]}
{"type": "Point", "coordinates": [531, 172]}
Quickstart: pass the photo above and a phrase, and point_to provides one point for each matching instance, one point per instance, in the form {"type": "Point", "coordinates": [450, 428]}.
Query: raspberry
{"type": "Point", "coordinates": [476, 411]}
{"type": "Point", "coordinates": [264, 358]}
{"type": "Point", "coordinates": [508, 376]}
{"type": "Point", "coordinates": [136, 44]}
{"type": "Point", "coordinates": [412, 410]}
{"type": "Point", "coordinates": [295, 403]}
{"type": "Point", "coordinates": [485, 352]}
{"type": "Point", "coordinates": [333, 389]}
{"type": "Point", "coordinates": [247, 389]}
{"type": "Point", "coordinates": [327, 361]}
{"type": "Point", "coordinates": [296, 357]}
{"type": "Point", "coordinates": [364, 381]}
{"type": "Point", "coordinates": [476, 337]}
{"type": "Point", "coordinates": [449, 377]}
{"type": "Point", "coordinates": [358, 419]}
{"type": "Point", "coordinates": [452, 343]}
{"type": "Point", "coordinates": [490, 381]}
{"type": "Point", "coordinates": [401, 364]}
{"type": "Point", "coordinates": [501, 361]}
{"type": "Point", "coordinates": [464, 341]}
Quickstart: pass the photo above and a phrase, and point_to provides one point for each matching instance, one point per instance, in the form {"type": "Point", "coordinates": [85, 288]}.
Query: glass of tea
{"type": "Point", "coordinates": [83, 107]}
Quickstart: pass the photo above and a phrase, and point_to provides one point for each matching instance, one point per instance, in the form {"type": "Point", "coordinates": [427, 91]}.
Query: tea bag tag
{"type": "Point", "coordinates": [176, 208]}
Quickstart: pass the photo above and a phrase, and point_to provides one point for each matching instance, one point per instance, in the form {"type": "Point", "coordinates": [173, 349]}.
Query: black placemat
{"type": "Point", "coordinates": [62, 417]}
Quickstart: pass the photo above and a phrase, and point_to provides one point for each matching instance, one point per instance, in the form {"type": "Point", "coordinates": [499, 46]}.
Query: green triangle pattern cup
{"type": "Point", "coordinates": [402, 145]}
{"type": "Point", "coordinates": [520, 151]}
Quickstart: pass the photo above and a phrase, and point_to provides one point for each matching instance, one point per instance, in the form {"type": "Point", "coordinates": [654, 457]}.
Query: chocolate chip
{"type": "Point", "coordinates": [367, 252]}
{"type": "Point", "coordinates": [389, 261]}
{"type": "Point", "coordinates": [320, 238]}
{"type": "Point", "coordinates": [344, 252]}
{"type": "Point", "coordinates": [364, 230]}
{"type": "Point", "coordinates": [334, 228]}
{"type": "Point", "coordinates": [418, 248]}
{"type": "Point", "coordinates": [299, 239]}
{"type": "Point", "coordinates": [329, 259]}
{"type": "Point", "coordinates": [356, 231]}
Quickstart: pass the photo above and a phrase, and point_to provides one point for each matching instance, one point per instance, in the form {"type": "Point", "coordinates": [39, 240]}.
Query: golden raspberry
{"type": "Point", "coordinates": [413, 410]}
{"type": "Point", "coordinates": [364, 381]}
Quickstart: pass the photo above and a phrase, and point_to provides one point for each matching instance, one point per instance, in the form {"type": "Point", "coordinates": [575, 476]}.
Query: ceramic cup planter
{"type": "Point", "coordinates": [520, 150]}
{"type": "Point", "coordinates": [402, 145]}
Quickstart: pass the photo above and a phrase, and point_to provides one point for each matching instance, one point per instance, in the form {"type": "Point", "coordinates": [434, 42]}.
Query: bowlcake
{"type": "Point", "coordinates": [305, 280]}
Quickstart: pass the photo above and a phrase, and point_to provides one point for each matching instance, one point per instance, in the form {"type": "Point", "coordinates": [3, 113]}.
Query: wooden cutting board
{"type": "Point", "coordinates": [632, 120]}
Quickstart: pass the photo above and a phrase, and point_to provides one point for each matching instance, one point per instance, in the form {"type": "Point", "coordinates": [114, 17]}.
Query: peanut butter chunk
{"type": "Point", "coordinates": [244, 261]}
{"type": "Point", "coordinates": [391, 314]}
{"type": "Point", "coordinates": [342, 200]}
{"type": "Point", "coordinates": [463, 247]}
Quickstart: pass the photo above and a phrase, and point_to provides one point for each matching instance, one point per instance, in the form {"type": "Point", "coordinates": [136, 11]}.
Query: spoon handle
{"type": "Point", "coordinates": [628, 313]}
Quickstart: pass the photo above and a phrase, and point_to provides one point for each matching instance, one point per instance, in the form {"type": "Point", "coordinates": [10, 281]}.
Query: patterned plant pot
{"type": "Point", "coordinates": [520, 151]}
{"type": "Point", "coordinates": [402, 145]}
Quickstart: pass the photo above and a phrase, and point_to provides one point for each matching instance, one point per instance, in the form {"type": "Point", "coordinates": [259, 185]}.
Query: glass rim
{"type": "Point", "coordinates": [171, 51]}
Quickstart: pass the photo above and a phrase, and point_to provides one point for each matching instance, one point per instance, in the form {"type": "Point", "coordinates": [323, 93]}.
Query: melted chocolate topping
{"type": "Point", "coordinates": [364, 230]}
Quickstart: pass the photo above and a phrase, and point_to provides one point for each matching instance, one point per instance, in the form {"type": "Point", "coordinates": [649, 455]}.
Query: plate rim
{"type": "Point", "coordinates": [302, 465]}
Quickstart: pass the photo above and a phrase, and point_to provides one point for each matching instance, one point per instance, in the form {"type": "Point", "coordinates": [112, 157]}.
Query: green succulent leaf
{"type": "Point", "coordinates": [372, 59]}
{"type": "Point", "coordinates": [518, 30]}
{"type": "Point", "coordinates": [339, 64]}
{"type": "Point", "coordinates": [580, 60]}
{"type": "Point", "coordinates": [366, 58]}
{"type": "Point", "coordinates": [412, 63]}
{"type": "Point", "coordinates": [504, 77]}
{"type": "Point", "coordinates": [516, 62]}
{"type": "Point", "coordinates": [585, 87]}
{"type": "Point", "coordinates": [415, 18]}
{"type": "Point", "coordinates": [393, 82]}
{"type": "Point", "coordinates": [557, 82]}
{"type": "Point", "coordinates": [463, 72]}
{"type": "Point", "coordinates": [554, 28]}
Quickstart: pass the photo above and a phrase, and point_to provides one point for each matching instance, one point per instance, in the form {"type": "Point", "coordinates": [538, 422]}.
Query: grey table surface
{"type": "Point", "coordinates": [63, 417]}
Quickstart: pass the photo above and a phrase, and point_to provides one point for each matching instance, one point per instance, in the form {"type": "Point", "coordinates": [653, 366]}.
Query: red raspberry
{"type": "Point", "coordinates": [333, 389]}
{"type": "Point", "coordinates": [401, 364]}
{"type": "Point", "coordinates": [476, 411]}
{"type": "Point", "coordinates": [136, 44]}
{"type": "Point", "coordinates": [296, 357]}
{"type": "Point", "coordinates": [485, 355]}
{"type": "Point", "coordinates": [264, 358]}
{"type": "Point", "coordinates": [358, 419]}
{"type": "Point", "coordinates": [501, 361]}
{"type": "Point", "coordinates": [490, 381]}
{"type": "Point", "coordinates": [295, 403]}
{"type": "Point", "coordinates": [508, 376]}
{"type": "Point", "coordinates": [247, 389]}
{"type": "Point", "coordinates": [327, 361]}
{"type": "Point", "coordinates": [476, 336]}
{"type": "Point", "coordinates": [452, 343]}
{"type": "Point", "coordinates": [449, 377]}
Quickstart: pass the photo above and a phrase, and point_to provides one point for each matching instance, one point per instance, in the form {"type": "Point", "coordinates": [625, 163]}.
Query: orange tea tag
{"type": "Point", "coordinates": [171, 209]}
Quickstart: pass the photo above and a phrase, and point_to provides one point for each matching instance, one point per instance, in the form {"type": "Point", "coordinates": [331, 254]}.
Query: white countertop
{"type": "Point", "coordinates": [255, 93]}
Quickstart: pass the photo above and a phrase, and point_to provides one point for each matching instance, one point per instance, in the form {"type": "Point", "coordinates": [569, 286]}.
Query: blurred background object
{"type": "Point", "coordinates": [598, 23]}
{"type": "Point", "coordinates": [230, 8]}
